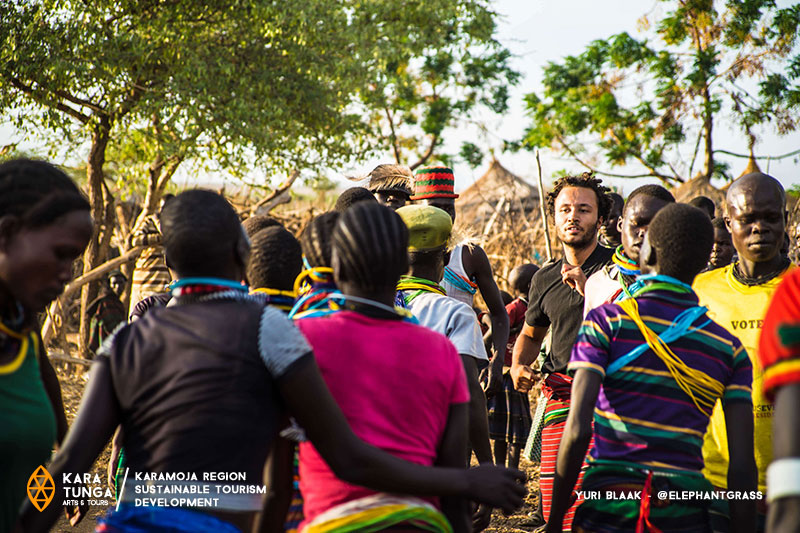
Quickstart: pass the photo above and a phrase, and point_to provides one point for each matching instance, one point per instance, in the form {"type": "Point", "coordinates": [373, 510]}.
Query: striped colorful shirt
{"type": "Point", "coordinates": [779, 352]}
{"type": "Point", "coordinates": [642, 415]}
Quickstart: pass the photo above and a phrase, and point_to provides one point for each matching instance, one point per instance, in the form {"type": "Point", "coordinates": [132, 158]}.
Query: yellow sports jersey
{"type": "Point", "coordinates": [740, 309]}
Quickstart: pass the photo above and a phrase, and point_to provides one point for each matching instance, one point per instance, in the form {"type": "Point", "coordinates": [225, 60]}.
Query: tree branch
{"type": "Point", "coordinates": [172, 166]}
{"type": "Point", "coordinates": [41, 97]}
{"type": "Point", "coordinates": [696, 150]}
{"type": "Point", "coordinates": [395, 148]}
{"type": "Point", "coordinates": [428, 153]}
{"type": "Point", "coordinates": [748, 156]}
{"type": "Point", "coordinates": [78, 101]}
{"type": "Point", "coordinates": [574, 155]}
{"type": "Point", "coordinates": [277, 192]}
{"type": "Point", "coordinates": [48, 329]}
{"type": "Point", "coordinates": [129, 102]}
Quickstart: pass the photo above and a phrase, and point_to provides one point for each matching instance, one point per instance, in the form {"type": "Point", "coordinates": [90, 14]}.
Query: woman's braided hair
{"type": "Point", "coordinates": [37, 192]}
{"type": "Point", "coordinates": [316, 239]}
{"type": "Point", "coordinates": [370, 247]}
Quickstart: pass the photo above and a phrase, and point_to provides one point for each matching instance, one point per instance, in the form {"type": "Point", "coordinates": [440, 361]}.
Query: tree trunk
{"type": "Point", "coordinates": [160, 173]}
{"type": "Point", "coordinates": [708, 126]}
{"type": "Point", "coordinates": [91, 257]}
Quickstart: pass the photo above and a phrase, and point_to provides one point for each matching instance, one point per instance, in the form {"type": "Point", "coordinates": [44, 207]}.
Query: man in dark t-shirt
{"type": "Point", "coordinates": [578, 205]}
{"type": "Point", "coordinates": [554, 304]}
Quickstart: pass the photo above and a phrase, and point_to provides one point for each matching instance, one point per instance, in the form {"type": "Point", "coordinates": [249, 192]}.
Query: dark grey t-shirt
{"type": "Point", "coordinates": [197, 385]}
{"type": "Point", "coordinates": [552, 303]}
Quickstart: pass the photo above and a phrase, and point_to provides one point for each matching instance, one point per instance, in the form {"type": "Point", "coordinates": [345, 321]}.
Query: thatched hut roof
{"type": "Point", "coordinates": [751, 168]}
{"type": "Point", "coordinates": [698, 186]}
{"type": "Point", "coordinates": [497, 186]}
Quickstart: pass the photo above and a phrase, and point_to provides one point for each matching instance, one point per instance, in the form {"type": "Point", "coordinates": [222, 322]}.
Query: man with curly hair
{"type": "Point", "coordinates": [578, 205]}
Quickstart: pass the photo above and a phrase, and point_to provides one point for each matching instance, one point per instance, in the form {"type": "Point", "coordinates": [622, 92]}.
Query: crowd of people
{"type": "Point", "coordinates": [347, 370]}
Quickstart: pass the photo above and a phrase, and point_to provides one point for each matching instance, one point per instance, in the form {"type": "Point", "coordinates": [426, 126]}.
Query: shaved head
{"type": "Point", "coordinates": [747, 185]}
{"type": "Point", "coordinates": [755, 215]}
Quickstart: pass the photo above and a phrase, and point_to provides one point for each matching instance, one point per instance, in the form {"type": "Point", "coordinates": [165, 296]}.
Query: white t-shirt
{"type": "Point", "coordinates": [600, 288]}
{"type": "Point", "coordinates": [453, 319]}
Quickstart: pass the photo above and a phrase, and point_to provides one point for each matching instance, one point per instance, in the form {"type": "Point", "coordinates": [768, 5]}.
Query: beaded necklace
{"type": "Point", "coordinates": [312, 286]}
{"type": "Point", "coordinates": [628, 270]}
{"type": "Point", "coordinates": [283, 300]}
{"type": "Point", "coordinates": [419, 285]}
{"type": "Point", "coordinates": [459, 282]}
{"type": "Point", "coordinates": [760, 280]}
{"type": "Point", "coordinates": [338, 301]}
{"type": "Point", "coordinates": [203, 289]}
{"type": "Point", "coordinates": [624, 263]}
{"type": "Point", "coordinates": [24, 339]}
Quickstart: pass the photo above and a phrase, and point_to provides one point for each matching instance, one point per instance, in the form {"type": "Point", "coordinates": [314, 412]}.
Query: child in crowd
{"type": "Point", "coordinates": [510, 411]}
{"type": "Point", "coordinates": [276, 260]}
{"type": "Point", "coordinates": [723, 250]}
{"type": "Point", "coordinates": [649, 371]}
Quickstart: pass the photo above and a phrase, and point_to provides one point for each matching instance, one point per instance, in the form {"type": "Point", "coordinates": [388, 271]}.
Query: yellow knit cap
{"type": "Point", "coordinates": [428, 227]}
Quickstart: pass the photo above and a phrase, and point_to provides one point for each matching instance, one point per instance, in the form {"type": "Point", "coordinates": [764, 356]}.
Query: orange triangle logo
{"type": "Point", "coordinates": [41, 488]}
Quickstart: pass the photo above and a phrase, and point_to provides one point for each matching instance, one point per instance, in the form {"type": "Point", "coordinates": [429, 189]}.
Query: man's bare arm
{"type": "Point", "coordinates": [478, 265]}
{"type": "Point", "coordinates": [526, 350]}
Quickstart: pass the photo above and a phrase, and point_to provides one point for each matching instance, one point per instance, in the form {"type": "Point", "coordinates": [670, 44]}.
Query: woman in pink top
{"type": "Point", "coordinates": [401, 386]}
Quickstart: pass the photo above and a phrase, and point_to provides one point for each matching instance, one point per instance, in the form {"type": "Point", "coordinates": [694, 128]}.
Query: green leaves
{"type": "Point", "coordinates": [437, 82]}
{"type": "Point", "coordinates": [276, 84]}
{"type": "Point", "coordinates": [638, 101]}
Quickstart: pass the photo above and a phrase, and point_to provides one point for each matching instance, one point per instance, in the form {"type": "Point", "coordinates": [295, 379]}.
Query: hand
{"type": "Point", "coordinates": [481, 518]}
{"type": "Point", "coordinates": [111, 471]}
{"type": "Point", "coordinates": [574, 277]}
{"type": "Point", "coordinates": [76, 513]}
{"type": "Point", "coordinates": [494, 384]}
{"type": "Point", "coordinates": [496, 486]}
{"type": "Point", "coordinates": [524, 377]}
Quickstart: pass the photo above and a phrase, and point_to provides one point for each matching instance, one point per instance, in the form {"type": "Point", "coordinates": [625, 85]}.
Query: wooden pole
{"type": "Point", "coordinates": [95, 274]}
{"type": "Point", "coordinates": [543, 211]}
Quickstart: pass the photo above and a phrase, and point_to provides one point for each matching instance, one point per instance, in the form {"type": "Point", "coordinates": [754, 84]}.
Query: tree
{"type": "Point", "coordinates": [244, 85]}
{"type": "Point", "coordinates": [414, 97]}
{"type": "Point", "coordinates": [646, 101]}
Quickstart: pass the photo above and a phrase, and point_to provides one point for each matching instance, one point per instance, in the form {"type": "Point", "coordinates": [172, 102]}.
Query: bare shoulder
{"type": "Point", "coordinates": [474, 259]}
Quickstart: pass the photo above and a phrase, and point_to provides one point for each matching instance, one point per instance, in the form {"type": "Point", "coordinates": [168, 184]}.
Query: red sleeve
{"type": "Point", "coordinates": [516, 312]}
{"type": "Point", "coordinates": [779, 347]}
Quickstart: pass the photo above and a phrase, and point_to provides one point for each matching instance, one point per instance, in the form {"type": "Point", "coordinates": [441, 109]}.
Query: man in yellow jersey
{"type": "Point", "coordinates": [737, 297]}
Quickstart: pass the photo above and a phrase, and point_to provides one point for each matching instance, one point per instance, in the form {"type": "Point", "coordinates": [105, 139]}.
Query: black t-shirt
{"type": "Point", "coordinates": [554, 303]}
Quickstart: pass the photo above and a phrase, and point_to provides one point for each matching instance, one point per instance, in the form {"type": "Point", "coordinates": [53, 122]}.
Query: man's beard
{"type": "Point", "coordinates": [578, 242]}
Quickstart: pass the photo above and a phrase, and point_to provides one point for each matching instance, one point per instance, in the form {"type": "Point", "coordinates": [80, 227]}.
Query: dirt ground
{"type": "Point", "coordinates": [73, 383]}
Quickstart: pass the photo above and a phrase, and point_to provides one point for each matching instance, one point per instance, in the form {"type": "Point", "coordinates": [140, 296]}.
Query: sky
{"type": "Point", "coordinates": [539, 31]}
